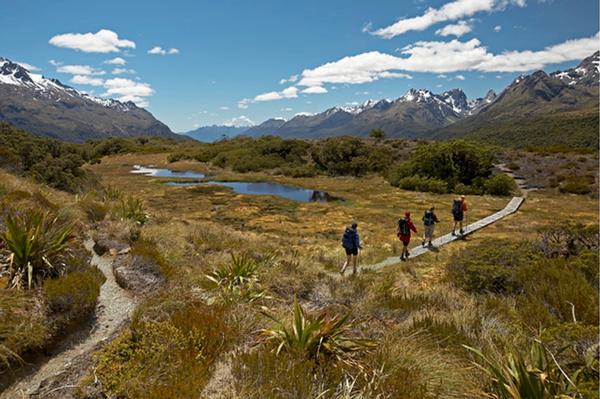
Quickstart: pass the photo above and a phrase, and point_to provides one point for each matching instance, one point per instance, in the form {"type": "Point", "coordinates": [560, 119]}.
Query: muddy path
{"type": "Point", "coordinates": [113, 309]}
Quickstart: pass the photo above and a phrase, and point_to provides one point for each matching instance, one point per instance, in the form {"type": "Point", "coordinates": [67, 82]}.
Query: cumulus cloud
{"type": "Point", "coordinates": [79, 70]}
{"type": "Point", "coordinates": [459, 77]}
{"type": "Point", "coordinates": [239, 121]}
{"type": "Point", "coordinates": [291, 79]}
{"type": "Point", "coordinates": [29, 67]}
{"type": "Point", "coordinates": [55, 63]}
{"type": "Point", "coordinates": [116, 61]}
{"type": "Point", "coordinates": [224, 108]}
{"type": "Point", "coordinates": [457, 30]}
{"type": "Point", "coordinates": [103, 41]}
{"type": "Point", "coordinates": [128, 90]}
{"type": "Point", "coordinates": [448, 12]}
{"type": "Point", "coordinates": [497, 28]}
{"type": "Point", "coordinates": [315, 90]}
{"type": "Point", "coordinates": [157, 50]}
{"type": "Point", "coordinates": [442, 76]}
{"type": "Point", "coordinates": [87, 80]}
{"type": "Point", "coordinates": [444, 57]}
{"type": "Point", "coordinates": [120, 71]}
{"type": "Point", "coordinates": [290, 92]}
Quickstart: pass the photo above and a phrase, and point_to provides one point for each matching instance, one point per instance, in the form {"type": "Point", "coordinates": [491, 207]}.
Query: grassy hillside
{"type": "Point", "coordinates": [574, 129]}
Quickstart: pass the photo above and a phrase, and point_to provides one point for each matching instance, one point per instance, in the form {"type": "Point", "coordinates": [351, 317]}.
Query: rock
{"type": "Point", "coordinates": [136, 273]}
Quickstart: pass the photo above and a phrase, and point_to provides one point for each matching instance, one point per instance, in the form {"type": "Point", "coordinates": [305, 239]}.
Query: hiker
{"type": "Point", "coordinates": [429, 221]}
{"type": "Point", "coordinates": [459, 207]}
{"type": "Point", "coordinates": [351, 243]}
{"type": "Point", "coordinates": [405, 225]}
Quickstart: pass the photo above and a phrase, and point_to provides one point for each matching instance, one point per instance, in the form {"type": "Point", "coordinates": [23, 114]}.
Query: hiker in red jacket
{"type": "Point", "coordinates": [405, 226]}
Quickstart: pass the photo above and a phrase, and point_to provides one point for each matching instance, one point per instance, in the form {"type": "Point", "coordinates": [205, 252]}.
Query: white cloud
{"type": "Point", "coordinates": [55, 63]}
{"type": "Point", "coordinates": [243, 103]}
{"type": "Point", "coordinates": [87, 80]}
{"type": "Point", "coordinates": [459, 77]}
{"type": "Point", "coordinates": [103, 41]}
{"type": "Point", "coordinates": [120, 71]}
{"type": "Point", "coordinates": [29, 67]}
{"type": "Point", "coordinates": [239, 121]}
{"type": "Point", "coordinates": [448, 12]}
{"type": "Point", "coordinates": [128, 90]}
{"type": "Point", "coordinates": [315, 90]}
{"type": "Point", "coordinates": [79, 70]}
{"type": "Point", "coordinates": [224, 108]}
{"type": "Point", "coordinates": [497, 28]}
{"type": "Point", "coordinates": [444, 57]}
{"type": "Point", "coordinates": [290, 92]}
{"type": "Point", "coordinates": [291, 79]}
{"type": "Point", "coordinates": [457, 30]}
{"type": "Point", "coordinates": [116, 61]}
{"type": "Point", "coordinates": [303, 114]}
{"type": "Point", "coordinates": [367, 27]}
{"type": "Point", "coordinates": [288, 109]}
{"type": "Point", "coordinates": [442, 76]}
{"type": "Point", "coordinates": [157, 50]}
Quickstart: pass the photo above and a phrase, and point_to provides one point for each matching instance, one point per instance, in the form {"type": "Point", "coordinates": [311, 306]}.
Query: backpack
{"type": "Point", "coordinates": [457, 207]}
{"type": "Point", "coordinates": [428, 219]}
{"type": "Point", "coordinates": [403, 227]}
{"type": "Point", "coordinates": [348, 239]}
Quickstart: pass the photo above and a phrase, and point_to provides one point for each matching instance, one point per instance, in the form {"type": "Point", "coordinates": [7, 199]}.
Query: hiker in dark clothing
{"type": "Point", "coordinates": [429, 221]}
{"type": "Point", "coordinates": [459, 207]}
{"type": "Point", "coordinates": [405, 226]}
{"type": "Point", "coordinates": [351, 244]}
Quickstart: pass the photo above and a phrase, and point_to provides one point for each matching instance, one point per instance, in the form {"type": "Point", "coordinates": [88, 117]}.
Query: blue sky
{"type": "Point", "coordinates": [224, 62]}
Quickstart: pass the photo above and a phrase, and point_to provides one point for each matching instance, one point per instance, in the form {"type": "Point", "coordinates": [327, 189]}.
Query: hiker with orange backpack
{"type": "Point", "coordinates": [405, 226]}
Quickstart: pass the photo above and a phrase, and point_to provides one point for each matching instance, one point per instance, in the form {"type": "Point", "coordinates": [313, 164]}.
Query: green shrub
{"type": "Point", "coordinates": [425, 184]}
{"type": "Point", "coordinates": [553, 291]}
{"type": "Point", "coordinates": [72, 297]}
{"type": "Point", "coordinates": [532, 376]}
{"type": "Point", "coordinates": [168, 351]}
{"type": "Point", "coordinates": [22, 325]}
{"type": "Point", "coordinates": [38, 243]}
{"type": "Point", "coordinates": [133, 209]}
{"type": "Point", "coordinates": [95, 210]}
{"type": "Point", "coordinates": [500, 184]}
{"type": "Point", "coordinates": [577, 185]}
{"type": "Point", "coordinates": [490, 267]}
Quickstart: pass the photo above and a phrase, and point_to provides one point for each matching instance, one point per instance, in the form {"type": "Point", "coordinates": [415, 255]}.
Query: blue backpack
{"type": "Point", "coordinates": [349, 238]}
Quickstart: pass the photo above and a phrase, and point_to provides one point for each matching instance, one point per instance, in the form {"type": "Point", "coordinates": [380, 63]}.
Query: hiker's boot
{"type": "Point", "coordinates": [430, 244]}
{"type": "Point", "coordinates": [462, 231]}
{"type": "Point", "coordinates": [424, 243]}
{"type": "Point", "coordinates": [453, 233]}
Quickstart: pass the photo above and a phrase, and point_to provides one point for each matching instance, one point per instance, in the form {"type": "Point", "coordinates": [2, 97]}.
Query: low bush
{"type": "Point", "coordinates": [490, 267]}
{"type": "Point", "coordinates": [95, 210]}
{"type": "Point", "coordinates": [500, 184]}
{"type": "Point", "coordinates": [39, 243]}
{"type": "Point", "coordinates": [72, 297]}
{"type": "Point", "coordinates": [22, 325]}
{"type": "Point", "coordinates": [577, 185]}
{"type": "Point", "coordinates": [554, 292]}
{"type": "Point", "coordinates": [168, 352]}
{"type": "Point", "coordinates": [133, 209]}
{"type": "Point", "coordinates": [425, 184]}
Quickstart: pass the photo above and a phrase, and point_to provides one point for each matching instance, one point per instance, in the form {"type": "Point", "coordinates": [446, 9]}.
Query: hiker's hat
{"type": "Point", "coordinates": [407, 214]}
{"type": "Point", "coordinates": [354, 225]}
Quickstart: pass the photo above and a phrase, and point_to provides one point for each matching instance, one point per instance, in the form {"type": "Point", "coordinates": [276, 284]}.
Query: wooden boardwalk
{"type": "Point", "coordinates": [509, 209]}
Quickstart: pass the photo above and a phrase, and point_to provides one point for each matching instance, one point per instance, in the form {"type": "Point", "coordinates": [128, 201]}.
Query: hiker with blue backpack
{"type": "Point", "coordinates": [351, 244]}
{"type": "Point", "coordinates": [429, 221]}
{"type": "Point", "coordinates": [405, 226]}
{"type": "Point", "coordinates": [459, 207]}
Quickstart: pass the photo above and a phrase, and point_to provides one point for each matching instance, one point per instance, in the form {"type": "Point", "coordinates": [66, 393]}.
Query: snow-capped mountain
{"type": "Point", "coordinates": [539, 109]}
{"type": "Point", "coordinates": [47, 107]}
{"type": "Point", "coordinates": [410, 115]}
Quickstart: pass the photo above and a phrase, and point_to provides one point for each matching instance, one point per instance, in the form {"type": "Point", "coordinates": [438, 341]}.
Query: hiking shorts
{"type": "Point", "coordinates": [458, 217]}
{"type": "Point", "coordinates": [351, 251]}
{"type": "Point", "coordinates": [429, 231]}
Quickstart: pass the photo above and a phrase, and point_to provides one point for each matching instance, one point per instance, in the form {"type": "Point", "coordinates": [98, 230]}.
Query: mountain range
{"type": "Point", "coordinates": [537, 109]}
{"type": "Point", "coordinates": [47, 107]}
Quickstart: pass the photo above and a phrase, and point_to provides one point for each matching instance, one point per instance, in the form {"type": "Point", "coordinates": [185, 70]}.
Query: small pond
{"type": "Point", "coordinates": [266, 188]}
{"type": "Point", "coordinates": [248, 188]}
{"type": "Point", "coordinates": [156, 172]}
